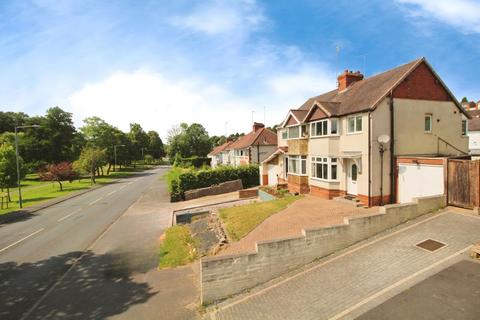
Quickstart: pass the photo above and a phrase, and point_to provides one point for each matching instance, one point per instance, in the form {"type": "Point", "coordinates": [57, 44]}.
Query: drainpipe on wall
{"type": "Point", "coordinates": [392, 151]}
{"type": "Point", "coordinates": [369, 159]}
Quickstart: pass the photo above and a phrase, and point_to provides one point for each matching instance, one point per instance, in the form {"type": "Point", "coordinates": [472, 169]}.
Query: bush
{"type": "Point", "coordinates": [196, 162]}
{"type": "Point", "coordinates": [180, 179]}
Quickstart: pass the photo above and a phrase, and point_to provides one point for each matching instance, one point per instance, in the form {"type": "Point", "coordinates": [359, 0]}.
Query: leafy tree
{"type": "Point", "coordinates": [464, 100]}
{"type": "Point", "coordinates": [58, 173]}
{"type": "Point", "coordinates": [139, 139]}
{"type": "Point", "coordinates": [98, 133]}
{"type": "Point", "coordinates": [8, 120]}
{"type": "Point", "coordinates": [155, 145]}
{"type": "Point", "coordinates": [189, 141]}
{"type": "Point", "coordinates": [8, 168]}
{"type": "Point", "coordinates": [91, 159]}
{"type": "Point", "coordinates": [217, 140]}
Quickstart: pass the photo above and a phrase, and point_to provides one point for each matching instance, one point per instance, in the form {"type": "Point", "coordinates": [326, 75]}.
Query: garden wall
{"type": "Point", "coordinates": [224, 276]}
{"type": "Point", "coordinates": [224, 187]}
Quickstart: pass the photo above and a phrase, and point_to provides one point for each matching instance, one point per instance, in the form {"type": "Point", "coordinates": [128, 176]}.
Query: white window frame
{"type": "Point", "coordinates": [299, 132]}
{"type": "Point", "coordinates": [300, 165]}
{"type": "Point", "coordinates": [355, 124]}
{"type": "Point", "coordinates": [286, 134]}
{"type": "Point", "coordinates": [329, 162]}
{"type": "Point", "coordinates": [429, 116]}
{"type": "Point", "coordinates": [328, 133]}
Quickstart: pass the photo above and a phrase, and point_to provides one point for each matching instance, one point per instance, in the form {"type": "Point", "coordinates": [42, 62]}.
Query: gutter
{"type": "Point", "coordinates": [392, 151]}
{"type": "Point", "coordinates": [369, 159]}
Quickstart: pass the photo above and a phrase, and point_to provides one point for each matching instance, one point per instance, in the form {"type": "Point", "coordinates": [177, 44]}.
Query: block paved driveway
{"type": "Point", "coordinates": [356, 281]}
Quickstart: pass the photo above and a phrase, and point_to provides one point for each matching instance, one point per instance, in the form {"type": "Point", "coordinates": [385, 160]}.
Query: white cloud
{"type": "Point", "coordinates": [461, 14]}
{"type": "Point", "coordinates": [158, 102]}
{"type": "Point", "coordinates": [219, 17]}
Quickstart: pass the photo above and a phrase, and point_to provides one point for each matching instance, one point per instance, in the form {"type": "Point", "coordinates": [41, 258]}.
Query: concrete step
{"type": "Point", "coordinates": [350, 200]}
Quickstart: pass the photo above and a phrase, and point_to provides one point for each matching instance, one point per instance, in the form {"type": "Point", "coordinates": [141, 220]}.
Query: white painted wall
{"type": "Point", "coordinates": [419, 181]}
{"type": "Point", "coordinates": [474, 141]}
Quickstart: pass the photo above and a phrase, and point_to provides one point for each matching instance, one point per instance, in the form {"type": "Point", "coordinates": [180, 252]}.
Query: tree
{"type": "Point", "coordinates": [91, 158]}
{"type": "Point", "coordinates": [155, 145]}
{"type": "Point", "coordinates": [139, 139]}
{"type": "Point", "coordinates": [98, 133]}
{"type": "Point", "coordinates": [8, 120]}
{"type": "Point", "coordinates": [8, 168]}
{"type": "Point", "coordinates": [189, 141]}
{"type": "Point", "coordinates": [464, 100]}
{"type": "Point", "coordinates": [62, 171]}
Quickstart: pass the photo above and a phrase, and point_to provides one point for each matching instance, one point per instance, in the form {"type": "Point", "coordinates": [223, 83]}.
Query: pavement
{"type": "Point", "coordinates": [365, 276]}
{"type": "Point", "coordinates": [95, 257]}
{"type": "Point", "coordinates": [308, 212]}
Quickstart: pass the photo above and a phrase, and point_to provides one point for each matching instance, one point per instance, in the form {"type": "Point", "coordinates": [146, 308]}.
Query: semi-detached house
{"type": "Point", "coordinates": [347, 141]}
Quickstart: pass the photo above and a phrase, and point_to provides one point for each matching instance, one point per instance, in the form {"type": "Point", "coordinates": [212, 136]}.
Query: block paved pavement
{"type": "Point", "coordinates": [344, 286]}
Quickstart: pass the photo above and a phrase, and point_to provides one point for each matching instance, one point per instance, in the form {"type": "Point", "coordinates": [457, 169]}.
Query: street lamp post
{"type": "Point", "coordinates": [115, 155]}
{"type": "Point", "coordinates": [20, 202]}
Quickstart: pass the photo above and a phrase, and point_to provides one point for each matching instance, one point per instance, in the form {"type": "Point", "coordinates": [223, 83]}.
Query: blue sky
{"type": "Point", "coordinates": [164, 62]}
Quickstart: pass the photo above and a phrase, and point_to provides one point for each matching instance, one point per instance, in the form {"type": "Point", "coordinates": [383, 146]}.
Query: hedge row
{"type": "Point", "coordinates": [194, 179]}
{"type": "Point", "coordinates": [196, 162]}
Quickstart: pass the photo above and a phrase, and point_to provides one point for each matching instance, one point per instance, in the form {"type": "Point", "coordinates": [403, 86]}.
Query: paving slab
{"type": "Point", "coordinates": [338, 288]}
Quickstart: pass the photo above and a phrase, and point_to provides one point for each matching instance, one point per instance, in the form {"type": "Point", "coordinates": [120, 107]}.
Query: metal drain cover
{"type": "Point", "coordinates": [430, 245]}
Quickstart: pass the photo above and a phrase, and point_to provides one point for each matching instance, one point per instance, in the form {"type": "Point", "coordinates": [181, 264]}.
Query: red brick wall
{"type": "Point", "coordinates": [421, 84]}
{"type": "Point", "coordinates": [326, 193]}
{"type": "Point", "coordinates": [248, 193]}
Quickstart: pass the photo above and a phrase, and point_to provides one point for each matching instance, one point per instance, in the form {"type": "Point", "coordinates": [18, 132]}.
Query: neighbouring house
{"type": "Point", "coordinates": [220, 155]}
{"type": "Point", "coordinates": [473, 128]}
{"type": "Point", "coordinates": [253, 147]}
{"type": "Point", "coordinates": [369, 138]}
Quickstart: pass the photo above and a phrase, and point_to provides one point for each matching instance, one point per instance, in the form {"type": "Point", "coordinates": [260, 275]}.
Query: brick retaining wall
{"type": "Point", "coordinates": [224, 276]}
{"type": "Point", "coordinates": [224, 187]}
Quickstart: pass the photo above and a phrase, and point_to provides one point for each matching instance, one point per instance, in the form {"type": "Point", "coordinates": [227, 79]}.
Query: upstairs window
{"type": "Point", "coordinates": [294, 132]}
{"type": "Point", "coordinates": [324, 128]}
{"type": "Point", "coordinates": [464, 127]}
{"type": "Point", "coordinates": [284, 134]}
{"type": "Point", "coordinates": [428, 123]}
{"type": "Point", "coordinates": [354, 124]}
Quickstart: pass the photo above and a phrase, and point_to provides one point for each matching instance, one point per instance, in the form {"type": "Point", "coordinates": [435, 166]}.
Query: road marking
{"type": "Point", "coordinates": [319, 265]}
{"type": "Point", "coordinates": [112, 193]}
{"type": "Point", "coordinates": [95, 201]}
{"type": "Point", "coordinates": [68, 215]}
{"type": "Point", "coordinates": [122, 187]}
{"type": "Point", "coordinates": [396, 284]}
{"type": "Point", "coordinates": [25, 238]}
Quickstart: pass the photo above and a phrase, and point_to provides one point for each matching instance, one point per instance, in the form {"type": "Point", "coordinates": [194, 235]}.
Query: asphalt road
{"type": "Point", "coordinates": [52, 254]}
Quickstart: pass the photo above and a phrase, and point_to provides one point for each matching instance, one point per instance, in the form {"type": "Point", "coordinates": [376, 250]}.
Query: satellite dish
{"type": "Point", "coordinates": [383, 139]}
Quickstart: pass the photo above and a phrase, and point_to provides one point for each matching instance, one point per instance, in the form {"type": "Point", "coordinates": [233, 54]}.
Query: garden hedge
{"type": "Point", "coordinates": [196, 162]}
{"type": "Point", "coordinates": [194, 179]}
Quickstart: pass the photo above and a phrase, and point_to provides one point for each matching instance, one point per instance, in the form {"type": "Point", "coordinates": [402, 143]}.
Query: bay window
{"type": "Point", "coordinates": [293, 132]}
{"type": "Point", "coordinates": [297, 164]}
{"type": "Point", "coordinates": [324, 128]}
{"type": "Point", "coordinates": [324, 168]}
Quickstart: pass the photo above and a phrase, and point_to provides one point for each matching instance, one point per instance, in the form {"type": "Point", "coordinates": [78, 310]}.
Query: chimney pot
{"type": "Point", "coordinates": [257, 126]}
{"type": "Point", "coordinates": [347, 78]}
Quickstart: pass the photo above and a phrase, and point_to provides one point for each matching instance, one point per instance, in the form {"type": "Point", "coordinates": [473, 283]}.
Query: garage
{"type": "Point", "coordinates": [419, 177]}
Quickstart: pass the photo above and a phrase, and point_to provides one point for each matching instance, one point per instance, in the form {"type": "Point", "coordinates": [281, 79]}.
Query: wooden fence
{"type": "Point", "coordinates": [463, 184]}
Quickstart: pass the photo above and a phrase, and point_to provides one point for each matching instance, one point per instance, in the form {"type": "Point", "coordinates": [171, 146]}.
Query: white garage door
{"type": "Point", "coordinates": [419, 181]}
{"type": "Point", "coordinates": [272, 175]}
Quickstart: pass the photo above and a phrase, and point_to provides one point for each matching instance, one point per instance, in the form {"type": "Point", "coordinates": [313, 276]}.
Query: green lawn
{"type": "Point", "coordinates": [35, 191]}
{"type": "Point", "coordinates": [240, 220]}
{"type": "Point", "coordinates": [178, 247]}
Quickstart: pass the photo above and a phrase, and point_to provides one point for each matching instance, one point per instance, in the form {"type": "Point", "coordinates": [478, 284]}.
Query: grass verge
{"type": "Point", "coordinates": [35, 191]}
{"type": "Point", "coordinates": [240, 220]}
{"type": "Point", "coordinates": [178, 247]}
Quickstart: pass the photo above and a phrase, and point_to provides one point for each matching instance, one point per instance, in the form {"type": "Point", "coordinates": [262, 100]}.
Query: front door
{"type": "Point", "coordinates": [352, 174]}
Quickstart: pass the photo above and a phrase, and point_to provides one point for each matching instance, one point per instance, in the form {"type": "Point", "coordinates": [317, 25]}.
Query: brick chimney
{"type": "Point", "coordinates": [347, 78]}
{"type": "Point", "coordinates": [257, 126]}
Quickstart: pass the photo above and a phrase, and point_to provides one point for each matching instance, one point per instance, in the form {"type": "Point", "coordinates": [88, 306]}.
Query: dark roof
{"type": "Point", "coordinates": [220, 148]}
{"type": "Point", "coordinates": [474, 122]}
{"type": "Point", "coordinates": [262, 136]}
{"type": "Point", "coordinates": [365, 94]}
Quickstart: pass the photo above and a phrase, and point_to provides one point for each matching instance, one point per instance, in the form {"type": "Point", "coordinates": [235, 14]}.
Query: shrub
{"type": "Point", "coordinates": [197, 162]}
{"type": "Point", "coordinates": [181, 179]}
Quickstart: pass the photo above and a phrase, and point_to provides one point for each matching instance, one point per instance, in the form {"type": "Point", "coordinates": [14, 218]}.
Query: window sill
{"type": "Point", "coordinates": [297, 174]}
{"type": "Point", "coordinates": [354, 133]}
{"type": "Point", "coordinates": [326, 136]}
